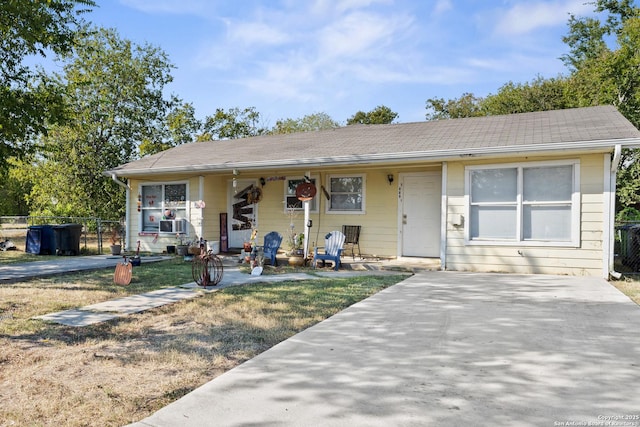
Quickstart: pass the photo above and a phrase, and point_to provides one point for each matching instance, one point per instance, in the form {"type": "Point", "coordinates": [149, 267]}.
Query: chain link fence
{"type": "Point", "coordinates": [94, 230]}
{"type": "Point", "coordinates": [627, 247]}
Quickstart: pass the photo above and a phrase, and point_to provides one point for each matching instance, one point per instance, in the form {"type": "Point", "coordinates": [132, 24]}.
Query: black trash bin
{"type": "Point", "coordinates": [632, 258]}
{"type": "Point", "coordinates": [41, 240]}
{"type": "Point", "coordinates": [68, 238]}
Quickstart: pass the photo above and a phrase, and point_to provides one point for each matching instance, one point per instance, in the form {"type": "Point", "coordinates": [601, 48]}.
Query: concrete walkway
{"type": "Point", "coordinates": [112, 309]}
{"type": "Point", "coordinates": [442, 349]}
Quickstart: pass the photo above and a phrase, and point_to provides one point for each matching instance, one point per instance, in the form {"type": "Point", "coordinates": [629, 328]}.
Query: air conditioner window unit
{"type": "Point", "coordinates": [173, 226]}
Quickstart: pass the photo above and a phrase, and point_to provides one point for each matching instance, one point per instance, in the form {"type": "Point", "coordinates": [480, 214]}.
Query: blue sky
{"type": "Point", "coordinates": [290, 58]}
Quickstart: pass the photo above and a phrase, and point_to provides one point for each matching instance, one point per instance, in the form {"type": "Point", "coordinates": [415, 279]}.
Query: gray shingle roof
{"type": "Point", "coordinates": [572, 129]}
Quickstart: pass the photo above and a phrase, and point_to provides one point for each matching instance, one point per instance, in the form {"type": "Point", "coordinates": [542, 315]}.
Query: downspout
{"type": "Point", "coordinates": [127, 215]}
{"type": "Point", "coordinates": [443, 217]}
{"type": "Point", "coordinates": [307, 229]}
{"type": "Point", "coordinates": [610, 205]}
{"type": "Point", "coordinates": [201, 198]}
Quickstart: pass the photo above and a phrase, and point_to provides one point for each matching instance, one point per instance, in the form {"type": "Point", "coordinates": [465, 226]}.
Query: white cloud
{"type": "Point", "coordinates": [360, 34]}
{"type": "Point", "coordinates": [294, 79]}
{"type": "Point", "coordinates": [283, 51]}
{"type": "Point", "coordinates": [341, 6]}
{"type": "Point", "coordinates": [442, 6]}
{"type": "Point", "coordinates": [525, 17]}
{"type": "Point", "coordinates": [169, 6]}
{"type": "Point", "coordinates": [256, 33]}
{"type": "Point", "coordinates": [309, 54]}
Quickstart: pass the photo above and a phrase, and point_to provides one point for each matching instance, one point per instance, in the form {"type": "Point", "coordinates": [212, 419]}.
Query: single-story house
{"type": "Point", "coordinates": [521, 193]}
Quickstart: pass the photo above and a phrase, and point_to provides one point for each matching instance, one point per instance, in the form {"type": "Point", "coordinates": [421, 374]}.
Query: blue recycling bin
{"type": "Point", "coordinates": [41, 240]}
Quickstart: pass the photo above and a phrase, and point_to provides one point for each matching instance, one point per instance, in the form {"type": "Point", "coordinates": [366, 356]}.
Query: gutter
{"type": "Point", "coordinates": [387, 158]}
{"type": "Point", "coordinates": [115, 179]}
{"type": "Point", "coordinates": [617, 154]}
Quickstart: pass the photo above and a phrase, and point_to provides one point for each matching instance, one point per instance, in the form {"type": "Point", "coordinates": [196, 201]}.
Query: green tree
{"type": "Point", "coordinates": [180, 127]}
{"type": "Point", "coordinates": [28, 101]}
{"type": "Point", "coordinates": [232, 124]}
{"type": "Point", "coordinates": [114, 90]}
{"type": "Point", "coordinates": [14, 188]}
{"type": "Point", "coordinates": [586, 37]}
{"type": "Point", "coordinates": [308, 123]}
{"type": "Point", "coordinates": [378, 116]}
{"type": "Point", "coordinates": [538, 95]}
{"type": "Point", "coordinates": [610, 75]}
{"type": "Point", "coordinates": [468, 105]}
{"type": "Point", "coordinates": [604, 74]}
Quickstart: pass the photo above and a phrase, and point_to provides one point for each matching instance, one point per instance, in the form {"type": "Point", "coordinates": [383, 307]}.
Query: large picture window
{"type": "Point", "coordinates": [524, 203]}
{"type": "Point", "coordinates": [162, 202]}
{"type": "Point", "coordinates": [346, 194]}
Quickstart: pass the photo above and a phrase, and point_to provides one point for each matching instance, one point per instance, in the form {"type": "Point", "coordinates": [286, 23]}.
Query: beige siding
{"type": "Point", "coordinates": [379, 221]}
{"type": "Point", "coordinates": [584, 260]}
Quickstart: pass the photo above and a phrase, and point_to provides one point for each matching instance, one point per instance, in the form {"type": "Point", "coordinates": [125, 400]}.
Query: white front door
{"type": "Point", "coordinates": [241, 215]}
{"type": "Point", "coordinates": [420, 200]}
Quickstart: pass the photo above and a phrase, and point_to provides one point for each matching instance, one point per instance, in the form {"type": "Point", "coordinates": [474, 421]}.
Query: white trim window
{"type": "Point", "coordinates": [162, 202]}
{"type": "Point", "coordinates": [290, 199]}
{"type": "Point", "coordinates": [346, 194]}
{"type": "Point", "coordinates": [524, 204]}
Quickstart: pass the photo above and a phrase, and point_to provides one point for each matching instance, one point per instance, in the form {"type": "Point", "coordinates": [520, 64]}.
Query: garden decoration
{"type": "Point", "coordinates": [206, 268]}
{"type": "Point", "coordinates": [242, 209]}
{"type": "Point", "coordinates": [122, 275]}
{"type": "Point", "coordinates": [305, 191]}
{"type": "Point", "coordinates": [135, 260]}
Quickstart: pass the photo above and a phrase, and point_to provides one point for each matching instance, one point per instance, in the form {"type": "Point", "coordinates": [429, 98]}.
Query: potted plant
{"type": "Point", "coordinates": [182, 248]}
{"type": "Point", "coordinates": [116, 246]}
{"type": "Point", "coordinates": [296, 252]}
{"type": "Point", "coordinates": [295, 240]}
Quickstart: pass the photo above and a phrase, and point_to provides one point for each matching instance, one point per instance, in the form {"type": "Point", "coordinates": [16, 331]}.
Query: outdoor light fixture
{"type": "Point", "coordinates": [390, 178]}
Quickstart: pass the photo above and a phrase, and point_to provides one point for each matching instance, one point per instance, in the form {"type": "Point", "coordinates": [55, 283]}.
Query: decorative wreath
{"type": "Point", "coordinates": [305, 191]}
{"type": "Point", "coordinates": [254, 195]}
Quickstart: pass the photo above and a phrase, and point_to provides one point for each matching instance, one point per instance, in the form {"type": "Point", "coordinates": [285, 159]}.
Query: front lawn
{"type": "Point", "coordinates": [121, 371]}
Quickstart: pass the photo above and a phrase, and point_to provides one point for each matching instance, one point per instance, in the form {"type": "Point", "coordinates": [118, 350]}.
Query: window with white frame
{"type": "Point", "coordinates": [290, 199]}
{"type": "Point", "coordinates": [533, 203]}
{"type": "Point", "coordinates": [162, 202]}
{"type": "Point", "coordinates": [346, 193]}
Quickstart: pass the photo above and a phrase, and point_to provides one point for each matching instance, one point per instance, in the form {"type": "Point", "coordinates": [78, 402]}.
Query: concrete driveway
{"type": "Point", "coordinates": [443, 349]}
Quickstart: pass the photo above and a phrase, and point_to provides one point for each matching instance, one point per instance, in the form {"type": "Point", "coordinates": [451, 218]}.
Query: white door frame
{"type": "Point", "coordinates": [437, 232]}
{"type": "Point", "coordinates": [231, 191]}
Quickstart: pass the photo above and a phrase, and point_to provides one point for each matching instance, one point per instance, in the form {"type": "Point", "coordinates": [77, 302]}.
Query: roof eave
{"type": "Point", "coordinates": [368, 159]}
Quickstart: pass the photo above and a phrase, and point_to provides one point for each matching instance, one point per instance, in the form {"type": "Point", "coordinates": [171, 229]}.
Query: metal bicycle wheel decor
{"type": "Point", "coordinates": [207, 270]}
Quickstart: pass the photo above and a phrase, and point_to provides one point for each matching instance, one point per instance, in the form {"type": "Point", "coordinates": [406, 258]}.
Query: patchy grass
{"type": "Point", "coordinates": [14, 257]}
{"type": "Point", "coordinates": [46, 295]}
{"type": "Point", "coordinates": [630, 286]}
{"type": "Point", "coordinates": [121, 371]}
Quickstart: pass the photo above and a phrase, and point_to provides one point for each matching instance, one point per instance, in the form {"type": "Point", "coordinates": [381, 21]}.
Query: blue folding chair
{"type": "Point", "coordinates": [332, 249]}
{"type": "Point", "coordinates": [272, 241]}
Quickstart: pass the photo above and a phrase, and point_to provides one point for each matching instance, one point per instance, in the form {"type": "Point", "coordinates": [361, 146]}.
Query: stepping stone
{"type": "Point", "coordinates": [78, 317]}
{"type": "Point", "coordinates": [137, 303]}
{"type": "Point", "coordinates": [120, 307]}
